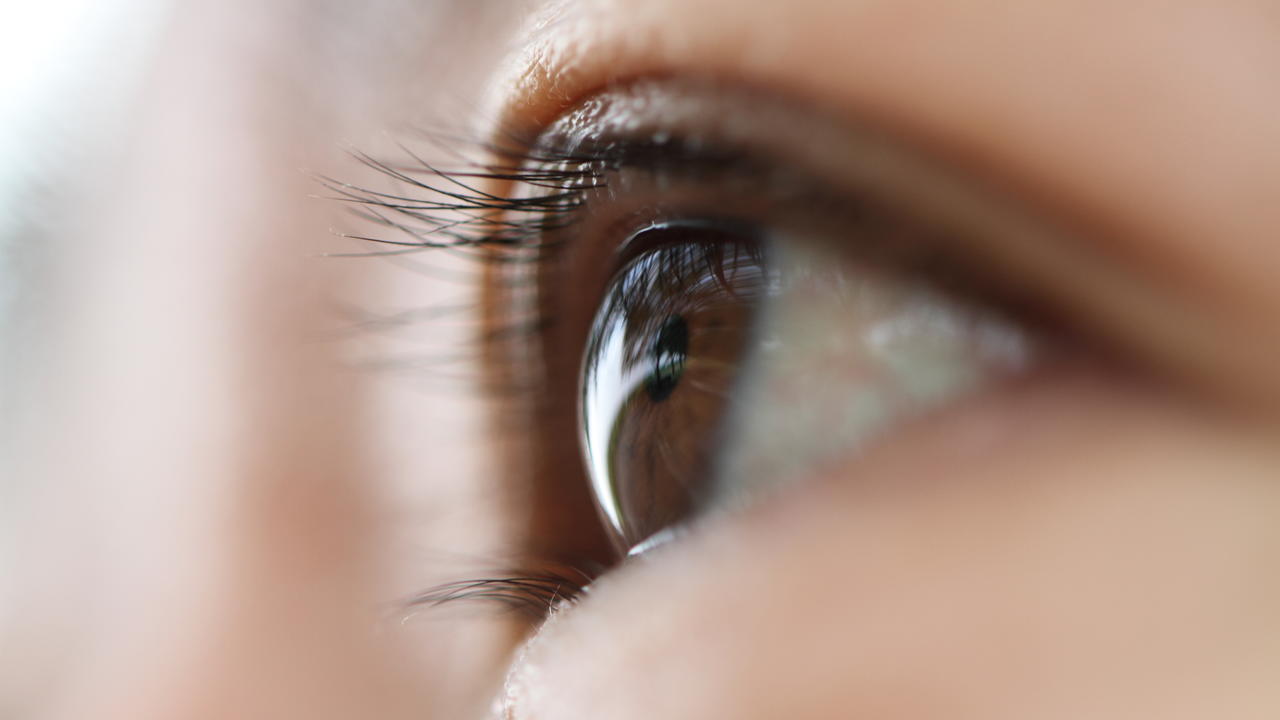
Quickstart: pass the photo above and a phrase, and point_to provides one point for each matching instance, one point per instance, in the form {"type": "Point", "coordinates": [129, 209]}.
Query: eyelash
{"type": "Point", "coordinates": [534, 595]}
{"type": "Point", "coordinates": [427, 218]}
{"type": "Point", "coordinates": [446, 210]}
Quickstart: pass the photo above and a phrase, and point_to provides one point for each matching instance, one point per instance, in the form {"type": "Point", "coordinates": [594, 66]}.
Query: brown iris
{"type": "Point", "coordinates": [660, 366]}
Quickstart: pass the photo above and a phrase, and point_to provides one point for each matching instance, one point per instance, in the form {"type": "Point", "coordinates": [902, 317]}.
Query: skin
{"type": "Point", "coordinates": [1082, 546]}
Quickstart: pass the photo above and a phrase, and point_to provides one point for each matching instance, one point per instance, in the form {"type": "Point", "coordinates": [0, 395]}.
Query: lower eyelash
{"type": "Point", "coordinates": [532, 594]}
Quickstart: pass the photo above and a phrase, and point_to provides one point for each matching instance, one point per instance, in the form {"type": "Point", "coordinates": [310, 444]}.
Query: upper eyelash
{"type": "Point", "coordinates": [445, 209]}
{"type": "Point", "coordinates": [543, 188]}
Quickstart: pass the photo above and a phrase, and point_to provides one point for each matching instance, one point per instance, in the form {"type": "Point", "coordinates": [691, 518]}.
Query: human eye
{"type": "Point", "coordinates": [752, 319]}
{"type": "Point", "coordinates": [732, 290]}
{"type": "Point", "coordinates": [699, 290]}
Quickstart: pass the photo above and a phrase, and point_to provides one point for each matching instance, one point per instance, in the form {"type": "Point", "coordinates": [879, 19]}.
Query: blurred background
{"type": "Point", "coordinates": [119, 122]}
{"type": "Point", "coordinates": [70, 70]}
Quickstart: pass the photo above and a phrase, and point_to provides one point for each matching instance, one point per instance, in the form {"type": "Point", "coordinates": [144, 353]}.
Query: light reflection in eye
{"type": "Point", "coordinates": [660, 365]}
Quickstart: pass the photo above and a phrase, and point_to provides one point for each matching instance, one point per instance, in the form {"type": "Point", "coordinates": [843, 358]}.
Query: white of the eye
{"type": "Point", "coordinates": [846, 353]}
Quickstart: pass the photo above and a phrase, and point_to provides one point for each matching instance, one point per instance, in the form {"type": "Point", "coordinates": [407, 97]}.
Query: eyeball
{"type": "Point", "coordinates": [723, 364]}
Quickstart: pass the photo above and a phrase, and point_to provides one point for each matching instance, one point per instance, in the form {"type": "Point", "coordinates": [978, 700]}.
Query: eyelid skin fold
{"type": "Point", "coordinates": [1136, 256]}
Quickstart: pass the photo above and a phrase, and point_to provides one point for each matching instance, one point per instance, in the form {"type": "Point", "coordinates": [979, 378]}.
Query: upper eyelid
{"type": "Point", "coordinates": [1139, 295]}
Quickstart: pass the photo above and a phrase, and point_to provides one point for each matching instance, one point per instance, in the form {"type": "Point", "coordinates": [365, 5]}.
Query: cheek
{"type": "Point", "coordinates": [1071, 552]}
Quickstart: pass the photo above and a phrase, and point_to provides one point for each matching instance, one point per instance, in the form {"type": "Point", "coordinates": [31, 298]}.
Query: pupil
{"type": "Point", "coordinates": [670, 350]}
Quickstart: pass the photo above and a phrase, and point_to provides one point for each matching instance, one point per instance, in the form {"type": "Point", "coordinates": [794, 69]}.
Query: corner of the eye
{"type": "Point", "coordinates": [522, 683]}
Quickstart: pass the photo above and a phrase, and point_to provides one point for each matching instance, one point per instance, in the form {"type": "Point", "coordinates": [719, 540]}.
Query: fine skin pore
{"type": "Point", "coordinates": [1087, 546]}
